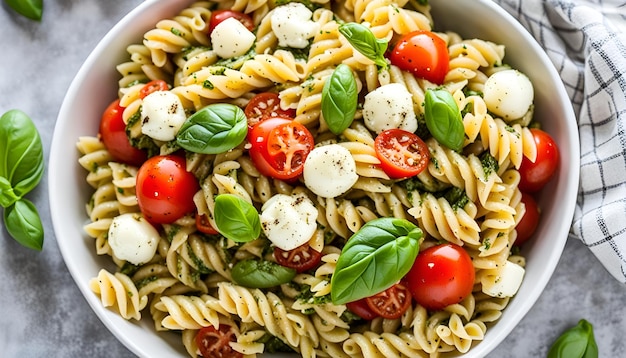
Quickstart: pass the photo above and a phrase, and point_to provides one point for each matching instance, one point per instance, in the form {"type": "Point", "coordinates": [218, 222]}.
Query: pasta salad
{"type": "Point", "coordinates": [330, 178]}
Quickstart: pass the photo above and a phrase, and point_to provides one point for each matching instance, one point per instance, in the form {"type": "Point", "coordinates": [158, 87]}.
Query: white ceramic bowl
{"type": "Point", "coordinates": [96, 83]}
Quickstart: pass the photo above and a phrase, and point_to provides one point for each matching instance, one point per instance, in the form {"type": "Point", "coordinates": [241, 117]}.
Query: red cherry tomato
{"type": "Point", "coordinates": [204, 226]}
{"type": "Point", "coordinates": [392, 302]}
{"type": "Point", "coordinates": [218, 16]}
{"type": "Point", "coordinates": [361, 309]}
{"type": "Point", "coordinates": [534, 176]}
{"type": "Point", "coordinates": [165, 189]}
{"type": "Point", "coordinates": [302, 258]}
{"type": "Point", "coordinates": [153, 86]}
{"type": "Point", "coordinates": [215, 343]}
{"type": "Point", "coordinates": [402, 154]}
{"type": "Point", "coordinates": [441, 275]}
{"type": "Point", "coordinates": [423, 53]}
{"type": "Point", "coordinates": [265, 105]}
{"type": "Point", "coordinates": [113, 135]}
{"type": "Point", "coordinates": [279, 147]}
{"type": "Point", "coordinates": [526, 227]}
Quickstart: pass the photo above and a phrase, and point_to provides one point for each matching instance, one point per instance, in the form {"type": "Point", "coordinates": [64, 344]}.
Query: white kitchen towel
{"type": "Point", "coordinates": [586, 41]}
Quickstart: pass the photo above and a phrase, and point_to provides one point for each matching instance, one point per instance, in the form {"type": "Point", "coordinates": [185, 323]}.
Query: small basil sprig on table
{"type": "Point", "coordinates": [443, 119]}
{"type": "Point", "coordinates": [364, 41]}
{"type": "Point", "coordinates": [374, 258]}
{"type": "Point", "coordinates": [339, 99]}
{"type": "Point", "coordinates": [32, 9]}
{"type": "Point", "coordinates": [576, 342]}
{"type": "Point", "coordinates": [236, 219]}
{"type": "Point", "coordinates": [214, 129]}
{"type": "Point", "coordinates": [21, 169]}
{"type": "Point", "coordinates": [261, 273]}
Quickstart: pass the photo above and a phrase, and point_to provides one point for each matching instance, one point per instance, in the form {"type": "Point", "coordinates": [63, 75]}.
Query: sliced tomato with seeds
{"type": "Point", "coordinates": [204, 226]}
{"type": "Point", "coordinates": [151, 87]}
{"type": "Point", "coordinates": [215, 343]}
{"type": "Point", "coordinates": [402, 154]}
{"type": "Point", "coordinates": [392, 302]}
{"type": "Point", "coordinates": [302, 258]}
{"type": "Point", "coordinates": [266, 105]}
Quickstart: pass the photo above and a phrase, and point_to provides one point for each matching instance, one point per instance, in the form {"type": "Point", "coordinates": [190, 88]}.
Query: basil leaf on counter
{"type": "Point", "coordinates": [364, 41]}
{"type": "Point", "coordinates": [32, 9]}
{"type": "Point", "coordinates": [374, 258]}
{"type": "Point", "coordinates": [236, 219]}
{"type": "Point", "coordinates": [214, 129]}
{"type": "Point", "coordinates": [339, 99]}
{"type": "Point", "coordinates": [443, 119]}
{"type": "Point", "coordinates": [21, 169]}
{"type": "Point", "coordinates": [576, 342]}
{"type": "Point", "coordinates": [261, 274]}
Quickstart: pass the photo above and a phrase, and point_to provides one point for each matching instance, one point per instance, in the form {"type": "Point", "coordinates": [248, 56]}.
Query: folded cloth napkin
{"type": "Point", "coordinates": [586, 41]}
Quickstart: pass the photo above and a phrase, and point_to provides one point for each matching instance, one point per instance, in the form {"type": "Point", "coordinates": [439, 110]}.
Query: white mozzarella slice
{"type": "Point", "coordinates": [132, 238]}
{"type": "Point", "coordinates": [292, 25]}
{"type": "Point", "coordinates": [162, 115]}
{"type": "Point", "coordinates": [507, 281]}
{"type": "Point", "coordinates": [508, 94]}
{"type": "Point", "coordinates": [231, 38]}
{"type": "Point", "coordinates": [330, 170]}
{"type": "Point", "coordinates": [288, 221]}
{"type": "Point", "coordinates": [389, 106]}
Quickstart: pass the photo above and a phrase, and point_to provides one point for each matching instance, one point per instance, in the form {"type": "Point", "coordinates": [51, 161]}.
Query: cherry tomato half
{"type": "Point", "coordinates": [422, 53]}
{"type": "Point", "coordinates": [204, 226]}
{"type": "Point", "coordinates": [402, 154]}
{"type": "Point", "coordinates": [279, 147]}
{"type": "Point", "coordinates": [218, 16]}
{"type": "Point", "coordinates": [113, 135]}
{"type": "Point", "coordinates": [361, 309]}
{"type": "Point", "coordinates": [441, 275]}
{"type": "Point", "coordinates": [215, 343]}
{"type": "Point", "coordinates": [526, 227]}
{"type": "Point", "coordinates": [165, 189]}
{"type": "Point", "coordinates": [265, 105]}
{"type": "Point", "coordinates": [302, 258]}
{"type": "Point", "coordinates": [392, 302]}
{"type": "Point", "coordinates": [534, 176]}
{"type": "Point", "coordinates": [151, 87]}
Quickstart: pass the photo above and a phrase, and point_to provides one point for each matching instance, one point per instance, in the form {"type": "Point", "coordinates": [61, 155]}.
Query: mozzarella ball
{"type": "Point", "coordinates": [389, 106]}
{"type": "Point", "coordinates": [132, 238]}
{"type": "Point", "coordinates": [231, 38]}
{"type": "Point", "coordinates": [330, 171]}
{"type": "Point", "coordinates": [288, 221]}
{"type": "Point", "coordinates": [292, 25]}
{"type": "Point", "coordinates": [162, 115]}
{"type": "Point", "coordinates": [508, 94]}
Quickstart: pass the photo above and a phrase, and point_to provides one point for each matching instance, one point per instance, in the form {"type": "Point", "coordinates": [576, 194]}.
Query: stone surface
{"type": "Point", "coordinates": [44, 314]}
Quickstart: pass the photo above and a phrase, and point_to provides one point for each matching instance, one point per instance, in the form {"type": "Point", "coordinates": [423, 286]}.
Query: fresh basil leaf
{"type": "Point", "coordinates": [214, 129]}
{"type": "Point", "coordinates": [339, 99]}
{"type": "Point", "coordinates": [7, 195]}
{"type": "Point", "coordinates": [21, 152]}
{"type": "Point", "coordinates": [576, 342]}
{"type": "Point", "coordinates": [261, 274]}
{"type": "Point", "coordinates": [24, 225]}
{"type": "Point", "coordinates": [236, 219]}
{"type": "Point", "coordinates": [374, 258]}
{"type": "Point", "coordinates": [364, 41]}
{"type": "Point", "coordinates": [443, 119]}
{"type": "Point", "coordinates": [32, 9]}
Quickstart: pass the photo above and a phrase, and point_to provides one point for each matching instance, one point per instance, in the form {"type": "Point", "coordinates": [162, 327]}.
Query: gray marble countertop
{"type": "Point", "coordinates": [42, 312]}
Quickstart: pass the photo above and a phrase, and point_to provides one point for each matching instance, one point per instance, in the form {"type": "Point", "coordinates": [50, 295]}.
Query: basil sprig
{"type": "Point", "coordinates": [339, 99]}
{"type": "Point", "coordinates": [214, 129]}
{"type": "Point", "coordinates": [32, 9]}
{"type": "Point", "coordinates": [261, 273]}
{"type": "Point", "coordinates": [374, 258]}
{"type": "Point", "coordinates": [21, 169]}
{"type": "Point", "coordinates": [443, 119]}
{"type": "Point", "coordinates": [364, 41]}
{"type": "Point", "coordinates": [236, 218]}
{"type": "Point", "coordinates": [576, 342]}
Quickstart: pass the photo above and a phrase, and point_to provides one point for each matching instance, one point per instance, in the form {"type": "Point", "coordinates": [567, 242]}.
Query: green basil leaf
{"type": "Point", "coordinates": [7, 195]}
{"type": "Point", "coordinates": [374, 258]}
{"type": "Point", "coordinates": [23, 224]}
{"type": "Point", "coordinates": [236, 218]}
{"type": "Point", "coordinates": [214, 129]}
{"type": "Point", "coordinates": [21, 152]}
{"type": "Point", "coordinates": [261, 274]}
{"type": "Point", "coordinates": [364, 41]}
{"type": "Point", "coordinates": [32, 9]}
{"type": "Point", "coordinates": [339, 99]}
{"type": "Point", "coordinates": [576, 342]}
{"type": "Point", "coordinates": [443, 119]}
